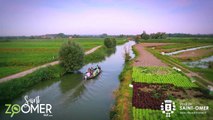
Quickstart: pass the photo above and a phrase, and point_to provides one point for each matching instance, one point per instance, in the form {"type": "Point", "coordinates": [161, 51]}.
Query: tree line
{"type": "Point", "coordinates": [158, 35]}
{"type": "Point", "coordinates": [163, 35]}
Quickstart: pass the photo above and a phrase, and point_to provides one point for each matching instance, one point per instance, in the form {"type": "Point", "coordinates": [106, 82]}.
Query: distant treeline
{"type": "Point", "coordinates": [188, 35]}
{"type": "Point", "coordinates": [144, 35]}
{"type": "Point", "coordinates": [163, 35]}
{"type": "Point", "coordinates": [62, 35]}
{"type": "Point", "coordinates": [158, 35]}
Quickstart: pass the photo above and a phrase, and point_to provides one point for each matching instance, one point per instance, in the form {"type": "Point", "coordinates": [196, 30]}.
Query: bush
{"type": "Point", "coordinates": [127, 56]}
{"type": "Point", "coordinates": [110, 42]}
{"type": "Point", "coordinates": [71, 56]}
{"type": "Point", "coordinates": [210, 65]}
{"type": "Point", "coordinates": [114, 42]}
{"type": "Point", "coordinates": [137, 39]}
{"type": "Point", "coordinates": [144, 36]}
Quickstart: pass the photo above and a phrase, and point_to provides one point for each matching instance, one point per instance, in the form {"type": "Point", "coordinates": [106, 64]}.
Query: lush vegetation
{"type": "Point", "coordinates": [162, 75]}
{"type": "Point", "coordinates": [144, 35]}
{"type": "Point", "coordinates": [158, 35]}
{"type": "Point", "coordinates": [110, 42]}
{"type": "Point", "coordinates": [71, 56]}
{"type": "Point", "coordinates": [21, 54]}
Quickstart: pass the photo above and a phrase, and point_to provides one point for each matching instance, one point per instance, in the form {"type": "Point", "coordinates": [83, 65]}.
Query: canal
{"type": "Point", "coordinates": [73, 98]}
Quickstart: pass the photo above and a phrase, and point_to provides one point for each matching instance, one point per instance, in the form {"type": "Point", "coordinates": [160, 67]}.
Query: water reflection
{"type": "Point", "coordinates": [189, 49]}
{"type": "Point", "coordinates": [110, 51]}
{"type": "Point", "coordinates": [202, 63]}
{"type": "Point", "coordinates": [72, 87]}
{"type": "Point", "coordinates": [99, 55]}
{"type": "Point", "coordinates": [70, 81]}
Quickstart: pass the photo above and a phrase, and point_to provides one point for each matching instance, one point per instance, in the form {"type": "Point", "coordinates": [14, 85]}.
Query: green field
{"type": "Point", "coordinates": [19, 55]}
{"type": "Point", "coordinates": [162, 75]}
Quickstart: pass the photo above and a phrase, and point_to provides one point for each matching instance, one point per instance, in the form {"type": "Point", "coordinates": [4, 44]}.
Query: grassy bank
{"type": "Point", "coordinates": [123, 102]}
{"type": "Point", "coordinates": [122, 108]}
{"type": "Point", "coordinates": [13, 88]}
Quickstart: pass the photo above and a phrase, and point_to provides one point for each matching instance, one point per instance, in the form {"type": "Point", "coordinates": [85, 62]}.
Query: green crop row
{"type": "Point", "coordinates": [162, 75]}
{"type": "Point", "coordinates": [147, 114]}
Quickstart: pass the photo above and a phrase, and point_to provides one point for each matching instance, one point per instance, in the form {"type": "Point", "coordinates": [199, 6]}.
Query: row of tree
{"type": "Point", "coordinates": [158, 35]}
{"type": "Point", "coordinates": [110, 42]}
{"type": "Point", "coordinates": [62, 35]}
{"type": "Point", "coordinates": [163, 35]}
{"type": "Point", "coordinates": [189, 35]}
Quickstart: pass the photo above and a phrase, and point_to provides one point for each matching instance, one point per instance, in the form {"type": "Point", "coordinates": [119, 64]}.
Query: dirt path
{"type": "Point", "coordinates": [145, 58]}
{"type": "Point", "coordinates": [21, 74]}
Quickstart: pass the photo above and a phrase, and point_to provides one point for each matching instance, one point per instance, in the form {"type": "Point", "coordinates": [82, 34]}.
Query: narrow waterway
{"type": "Point", "coordinates": [73, 98]}
{"type": "Point", "coordinates": [202, 63]}
{"type": "Point", "coordinates": [189, 49]}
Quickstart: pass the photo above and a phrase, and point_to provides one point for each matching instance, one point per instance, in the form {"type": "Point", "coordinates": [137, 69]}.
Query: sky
{"type": "Point", "coordinates": [38, 17]}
